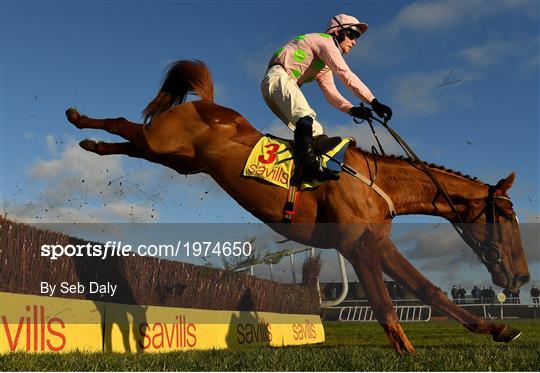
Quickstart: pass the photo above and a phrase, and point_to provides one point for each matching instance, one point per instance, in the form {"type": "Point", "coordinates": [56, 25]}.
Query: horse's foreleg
{"type": "Point", "coordinates": [367, 265]}
{"type": "Point", "coordinates": [399, 268]}
{"type": "Point", "coordinates": [107, 148]}
{"type": "Point", "coordinates": [119, 126]}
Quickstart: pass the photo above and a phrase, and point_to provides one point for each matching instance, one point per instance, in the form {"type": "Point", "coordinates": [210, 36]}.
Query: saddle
{"type": "Point", "coordinates": [323, 144]}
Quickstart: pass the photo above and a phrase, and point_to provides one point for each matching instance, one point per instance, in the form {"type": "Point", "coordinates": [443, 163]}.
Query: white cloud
{"type": "Point", "coordinates": [46, 169]}
{"type": "Point", "coordinates": [391, 43]}
{"type": "Point", "coordinates": [255, 62]}
{"type": "Point", "coordinates": [403, 40]}
{"type": "Point", "coordinates": [440, 15]}
{"type": "Point", "coordinates": [77, 170]}
{"type": "Point", "coordinates": [415, 93]}
{"type": "Point", "coordinates": [51, 144]}
{"type": "Point", "coordinates": [79, 186]}
{"type": "Point", "coordinates": [441, 249]}
{"type": "Point", "coordinates": [220, 92]}
{"type": "Point", "coordinates": [330, 271]}
{"type": "Point", "coordinates": [521, 55]}
{"type": "Point", "coordinates": [530, 64]}
{"type": "Point", "coordinates": [279, 129]}
{"type": "Point", "coordinates": [490, 53]}
{"type": "Point", "coordinates": [426, 16]}
{"type": "Point", "coordinates": [42, 211]}
{"type": "Point", "coordinates": [425, 93]}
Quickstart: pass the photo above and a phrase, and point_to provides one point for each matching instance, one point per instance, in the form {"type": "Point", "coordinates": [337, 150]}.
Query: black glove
{"type": "Point", "coordinates": [383, 111]}
{"type": "Point", "coordinates": [360, 112]}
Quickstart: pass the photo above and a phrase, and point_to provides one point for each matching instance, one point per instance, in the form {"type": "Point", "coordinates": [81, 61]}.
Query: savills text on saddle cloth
{"type": "Point", "coordinates": [272, 160]}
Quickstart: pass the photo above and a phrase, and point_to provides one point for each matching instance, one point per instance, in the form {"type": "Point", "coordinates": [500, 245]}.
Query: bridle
{"type": "Point", "coordinates": [488, 250]}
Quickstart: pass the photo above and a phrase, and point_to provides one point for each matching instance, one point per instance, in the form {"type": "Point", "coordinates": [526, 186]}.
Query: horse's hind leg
{"type": "Point", "coordinates": [119, 126]}
{"type": "Point", "coordinates": [399, 268]}
{"type": "Point", "coordinates": [107, 148]}
{"type": "Point", "coordinates": [366, 262]}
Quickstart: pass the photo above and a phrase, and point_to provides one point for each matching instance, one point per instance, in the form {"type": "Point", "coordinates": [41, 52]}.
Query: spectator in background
{"type": "Point", "coordinates": [509, 296]}
{"type": "Point", "coordinates": [454, 293]}
{"type": "Point", "coordinates": [491, 295]}
{"type": "Point", "coordinates": [461, 294]}
{"type": "Point", "coordinates": [535, 293]}
{"type": "Point", "coordinates": [475, 292]}
{"type": "Point", "coordinates": [484, 294]}
{"type": "Point", "coordinates": [515, 297]}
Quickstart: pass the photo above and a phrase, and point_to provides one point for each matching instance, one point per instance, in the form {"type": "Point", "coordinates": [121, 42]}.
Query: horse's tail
{"type": "Point", "coordinates": [182, 77]}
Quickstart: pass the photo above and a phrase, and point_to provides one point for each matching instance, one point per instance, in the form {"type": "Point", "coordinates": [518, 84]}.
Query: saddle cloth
{"type": "Point", "coordinates": [272, 159]}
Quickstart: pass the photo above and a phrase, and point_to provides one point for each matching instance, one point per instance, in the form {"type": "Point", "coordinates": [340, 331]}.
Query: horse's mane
{"type": "Point", "coordinates": [413, 162]}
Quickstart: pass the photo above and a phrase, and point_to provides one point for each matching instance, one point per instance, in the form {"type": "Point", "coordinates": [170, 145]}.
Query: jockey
{"type": "Point", "coordinates": [309, 57]}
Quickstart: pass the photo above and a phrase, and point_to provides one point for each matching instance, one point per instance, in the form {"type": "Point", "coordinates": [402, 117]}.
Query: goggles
{"type": "Point", "coordinates": [352, 34]}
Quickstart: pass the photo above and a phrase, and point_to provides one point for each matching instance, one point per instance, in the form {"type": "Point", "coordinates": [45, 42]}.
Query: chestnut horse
{"type": "Point", "coordinates": [201, 136]}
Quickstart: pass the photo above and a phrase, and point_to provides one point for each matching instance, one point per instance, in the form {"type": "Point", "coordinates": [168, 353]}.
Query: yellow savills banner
{"type": "Point", "coordinates": [44, 324]}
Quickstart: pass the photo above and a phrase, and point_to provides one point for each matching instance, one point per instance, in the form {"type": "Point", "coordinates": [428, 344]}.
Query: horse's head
{"type": "Point", "coordinates": [495, 237]}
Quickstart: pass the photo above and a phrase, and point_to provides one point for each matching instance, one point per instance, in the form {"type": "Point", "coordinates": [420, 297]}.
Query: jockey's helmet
{"type": "Point", "coordinates": [346, 22]}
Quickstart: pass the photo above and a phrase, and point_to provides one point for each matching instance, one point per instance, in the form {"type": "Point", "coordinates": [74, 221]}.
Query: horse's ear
{"type": "Point", "coordinates": [504, 184]}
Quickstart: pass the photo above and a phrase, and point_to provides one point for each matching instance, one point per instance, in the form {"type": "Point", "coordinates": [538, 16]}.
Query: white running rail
{"type": "Point", "coordinates": [404, 313]}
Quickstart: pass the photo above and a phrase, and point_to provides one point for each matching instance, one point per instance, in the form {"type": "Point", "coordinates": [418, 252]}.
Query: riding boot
{"type": "Point", "coordinates": [311, 164]}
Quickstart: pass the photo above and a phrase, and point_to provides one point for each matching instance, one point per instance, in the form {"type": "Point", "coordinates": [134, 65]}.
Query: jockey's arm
{"type": "Point", "coordinates": [331, 94]}
{"type": "Point", "coordinates": [333, 59]}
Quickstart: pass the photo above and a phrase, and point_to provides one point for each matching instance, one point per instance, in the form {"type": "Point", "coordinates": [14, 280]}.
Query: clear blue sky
{"type": "Point", "coordinates": [461, 76]}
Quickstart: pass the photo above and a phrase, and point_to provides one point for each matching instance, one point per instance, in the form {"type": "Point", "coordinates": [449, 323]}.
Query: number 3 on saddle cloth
{"type": "Point", "coordinates": [272, 160]}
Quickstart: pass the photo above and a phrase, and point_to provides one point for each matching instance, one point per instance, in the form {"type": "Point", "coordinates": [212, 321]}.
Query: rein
{"type": "Point", "coordinates": [487, 251]}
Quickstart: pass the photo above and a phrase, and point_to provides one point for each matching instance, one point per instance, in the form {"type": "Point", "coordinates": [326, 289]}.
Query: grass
{"type": "Point", "coordinates": [440, 346]}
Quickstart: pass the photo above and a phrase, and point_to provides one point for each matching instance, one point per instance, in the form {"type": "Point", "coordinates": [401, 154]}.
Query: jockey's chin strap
{"type": "Point", "coordinates": [487, 251]}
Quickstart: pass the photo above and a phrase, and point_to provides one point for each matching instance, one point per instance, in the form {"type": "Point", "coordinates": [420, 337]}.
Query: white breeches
{"type": "Point", "coordinates": [286, 100]}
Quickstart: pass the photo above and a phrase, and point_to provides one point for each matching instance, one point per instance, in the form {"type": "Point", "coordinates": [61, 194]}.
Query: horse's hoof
{"type": "Point", "coordinates": [508, 334]}
{"type": "Point", "coordinates": [72, 115]}
{"type": "Point", "coordinates": [88, 145]}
